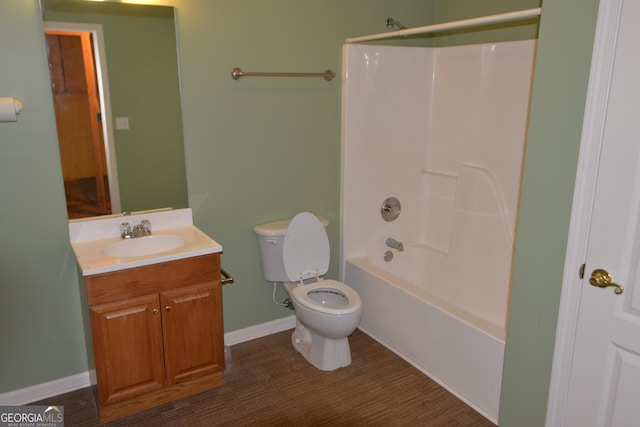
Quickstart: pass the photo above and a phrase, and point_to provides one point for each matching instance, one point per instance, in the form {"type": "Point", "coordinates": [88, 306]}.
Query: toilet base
{"type": "Point", "coordinates": [326, 354]}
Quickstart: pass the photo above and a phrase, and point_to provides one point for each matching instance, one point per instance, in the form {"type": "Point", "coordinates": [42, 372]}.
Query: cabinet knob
{"type": "Point", "coordinates": [168, 308]}
{"type": "Point", "coordinates": [156, 311]}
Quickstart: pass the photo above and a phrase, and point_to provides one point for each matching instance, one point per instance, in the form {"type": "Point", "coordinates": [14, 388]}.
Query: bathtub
{"type": "Point", "coordinates": [442, 129]}
{"type": "Point", "coordinates": [461, 351]}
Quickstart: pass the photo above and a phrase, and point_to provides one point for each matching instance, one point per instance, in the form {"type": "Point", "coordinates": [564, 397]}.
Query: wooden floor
{"type": "Point", "coordinates": [269, 384]}
{"type": "Point", "coordinates": [82, 198]}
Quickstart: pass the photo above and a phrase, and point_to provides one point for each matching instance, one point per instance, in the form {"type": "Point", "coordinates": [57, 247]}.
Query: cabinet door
{"type": "Point", "coordinates": [127, 340]}
{"type": "Point", "coordinates": [193, 336]}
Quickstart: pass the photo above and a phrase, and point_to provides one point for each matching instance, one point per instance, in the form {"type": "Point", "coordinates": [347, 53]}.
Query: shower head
{"type": "Point", "coordinates": [390, 23]}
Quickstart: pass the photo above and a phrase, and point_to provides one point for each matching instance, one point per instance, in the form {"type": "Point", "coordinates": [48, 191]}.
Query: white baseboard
{"type": "Point", "coordinates": [87, 378]}
{"type": "Point", "coordinates": [48, 389]}
{"type": "Point", "coordinates": [261, 330]}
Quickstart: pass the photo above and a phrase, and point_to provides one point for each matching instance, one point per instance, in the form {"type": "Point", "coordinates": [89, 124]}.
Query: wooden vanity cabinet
{"type": "Point", "coordinates": [157, 333]}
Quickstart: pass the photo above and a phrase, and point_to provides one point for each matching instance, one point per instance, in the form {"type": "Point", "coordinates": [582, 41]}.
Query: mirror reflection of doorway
{"type": "Point", "coordinates": [76, 96]}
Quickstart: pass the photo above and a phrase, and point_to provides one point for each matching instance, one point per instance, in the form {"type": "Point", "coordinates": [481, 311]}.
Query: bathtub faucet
{"type": "Point", "coordinates": [393, 243]}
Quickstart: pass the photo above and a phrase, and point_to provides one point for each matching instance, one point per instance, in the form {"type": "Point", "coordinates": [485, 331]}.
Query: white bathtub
{"type": "Point", "coordinates": [457, 349]}
{"type": "Point", "coordinates": [441, 129]}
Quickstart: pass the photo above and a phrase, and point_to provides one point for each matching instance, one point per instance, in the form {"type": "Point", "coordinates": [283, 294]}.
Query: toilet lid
{"type": "Point", "coordinates": [305, 249]}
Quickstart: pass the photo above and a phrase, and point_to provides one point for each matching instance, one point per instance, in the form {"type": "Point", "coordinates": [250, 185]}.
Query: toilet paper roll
{"type": "Point", "coordinates": [9, 107]}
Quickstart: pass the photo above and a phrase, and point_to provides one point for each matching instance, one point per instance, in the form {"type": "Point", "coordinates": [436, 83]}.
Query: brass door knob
{"type": "Point", "coordinates": [168, 308]}
{"type": "Point", "coordinates": [601, 278]}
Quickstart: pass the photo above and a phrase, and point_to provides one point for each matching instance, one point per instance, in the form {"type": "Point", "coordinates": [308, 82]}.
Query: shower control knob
{"type": "Point", "coordinates": [390, 209]}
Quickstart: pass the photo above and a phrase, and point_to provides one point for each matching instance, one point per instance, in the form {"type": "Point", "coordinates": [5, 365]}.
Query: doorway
{"type": "Point", "coordinates": [596, 369]}
{"type": "Point", "coordinates": [78, 93]}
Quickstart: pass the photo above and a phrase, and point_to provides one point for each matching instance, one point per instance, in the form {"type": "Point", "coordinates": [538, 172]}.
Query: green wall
{"type": "Point", "coordinates": [40, 319]}
{"type": "Point", "coordinates": [555, 125]}
{"type": "Point", "coordinates": [259, 150]}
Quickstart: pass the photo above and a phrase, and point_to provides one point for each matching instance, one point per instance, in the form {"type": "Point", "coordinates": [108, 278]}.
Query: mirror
{"type": "Point", "coordinates": [115, 84]}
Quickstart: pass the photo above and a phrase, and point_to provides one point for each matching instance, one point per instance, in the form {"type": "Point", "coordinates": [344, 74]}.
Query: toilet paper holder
{"type": "Point", "coordinates": [9, 109]}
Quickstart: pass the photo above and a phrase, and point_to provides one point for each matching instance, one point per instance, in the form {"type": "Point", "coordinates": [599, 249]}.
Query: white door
{"type": "Point", "coordinates": [596, 377]}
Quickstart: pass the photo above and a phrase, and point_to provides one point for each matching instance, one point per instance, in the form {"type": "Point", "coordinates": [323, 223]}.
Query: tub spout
{"type": "Point", "coordinates": [393, 243]}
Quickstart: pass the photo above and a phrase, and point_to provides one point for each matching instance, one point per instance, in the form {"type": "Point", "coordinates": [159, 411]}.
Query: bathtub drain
{"type": "Point", "coordinates": [388, 256]}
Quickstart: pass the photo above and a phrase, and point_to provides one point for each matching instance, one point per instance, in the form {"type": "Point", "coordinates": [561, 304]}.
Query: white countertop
{"type": "Point", "coordinates": [90, 236]}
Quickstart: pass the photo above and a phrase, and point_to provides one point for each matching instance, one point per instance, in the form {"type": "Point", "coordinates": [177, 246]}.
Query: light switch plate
{"type": "Point", "coordinates": [122, 123]}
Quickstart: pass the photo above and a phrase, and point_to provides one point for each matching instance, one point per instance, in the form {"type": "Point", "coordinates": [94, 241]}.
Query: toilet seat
{"type": "Point", "coordinates": [305, 249]}
{"type": "Point", "coordinates": [305, 253]}
{"type": "Point", "coordinates": [310, 296]}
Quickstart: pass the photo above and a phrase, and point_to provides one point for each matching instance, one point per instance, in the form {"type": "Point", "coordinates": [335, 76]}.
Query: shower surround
{"type": "Point", "coordinates": [443, 130]}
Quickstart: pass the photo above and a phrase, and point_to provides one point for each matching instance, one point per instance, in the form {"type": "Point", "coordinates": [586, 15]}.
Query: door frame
{"type": "Point", "coordinates": [583, 200]}
{"type": "Point", "coordinates": [100, 59]}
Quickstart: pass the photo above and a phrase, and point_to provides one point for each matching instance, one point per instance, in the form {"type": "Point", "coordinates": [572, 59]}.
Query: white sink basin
{"type": "Point", "coordinates": [98, 249]}
{"type": "Point", "coordinates": [141, 246]}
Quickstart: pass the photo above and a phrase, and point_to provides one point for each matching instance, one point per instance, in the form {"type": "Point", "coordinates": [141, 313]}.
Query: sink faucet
{"type": "Point", "coordinates": [140, 230]}
{"type": "Point", "coordinates": [393, 243]}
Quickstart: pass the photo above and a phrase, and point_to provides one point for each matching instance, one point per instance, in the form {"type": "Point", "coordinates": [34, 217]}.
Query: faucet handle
{"type": "Point", "coordinates": [125, 230]}
{"type": "Point", "coordinates": [146, 225]}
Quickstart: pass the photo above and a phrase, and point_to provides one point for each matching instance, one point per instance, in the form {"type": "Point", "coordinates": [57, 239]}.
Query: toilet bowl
{"type": "Point", "coordinates": [327, 312]}
{"type": "Point", "coordinates": [296, 253]}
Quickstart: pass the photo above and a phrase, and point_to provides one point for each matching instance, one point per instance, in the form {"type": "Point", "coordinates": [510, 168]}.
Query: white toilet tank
{"type": "Point", "coordinates": [270, 243]}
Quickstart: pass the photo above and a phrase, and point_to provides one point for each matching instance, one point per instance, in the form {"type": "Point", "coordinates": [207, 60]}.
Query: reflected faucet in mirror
{"type": "Point", "coordinates": [120, 68]}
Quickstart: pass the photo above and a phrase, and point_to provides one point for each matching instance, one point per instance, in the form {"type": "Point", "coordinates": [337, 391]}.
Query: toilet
{"type": "Point", "coordinates": [296, 253]}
